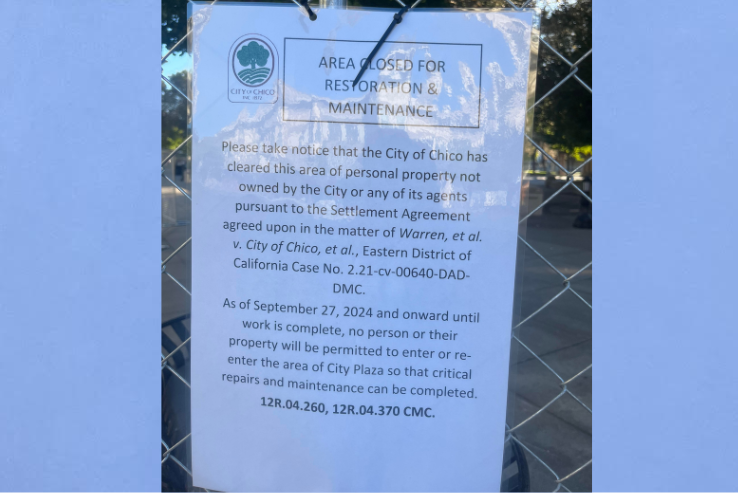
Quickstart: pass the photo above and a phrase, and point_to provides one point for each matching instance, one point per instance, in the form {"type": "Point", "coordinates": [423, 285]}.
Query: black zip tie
{"type": "Point", "coordinates": [310, 12]}
{"type": "Point", "coordinates": [396, 19]}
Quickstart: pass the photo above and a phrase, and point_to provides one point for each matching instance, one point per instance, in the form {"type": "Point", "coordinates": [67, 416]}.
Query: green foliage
{"type": "Point", "coordinates": [253, 54]}
{"type": "Point", "coordinates": [564, 119]}
{"type": "Point", "coordinates": [173, 112]}
{"type": "Point", "coordinates": [173, 24]}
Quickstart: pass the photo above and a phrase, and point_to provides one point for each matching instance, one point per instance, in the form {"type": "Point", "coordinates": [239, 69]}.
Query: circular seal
{"type": "Point", "coordinates": [253, 62]}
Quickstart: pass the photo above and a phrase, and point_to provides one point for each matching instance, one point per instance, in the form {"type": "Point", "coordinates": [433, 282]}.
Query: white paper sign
{"type": "Point", "coordinates": [353, 246]}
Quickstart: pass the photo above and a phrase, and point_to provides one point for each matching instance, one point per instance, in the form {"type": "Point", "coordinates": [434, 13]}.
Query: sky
{"type": "Point", "coordinates": [175, 63]}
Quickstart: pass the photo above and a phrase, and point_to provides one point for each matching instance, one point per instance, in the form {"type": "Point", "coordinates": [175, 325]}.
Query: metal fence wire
{"type": "Point", "coordinates": [549, 424]}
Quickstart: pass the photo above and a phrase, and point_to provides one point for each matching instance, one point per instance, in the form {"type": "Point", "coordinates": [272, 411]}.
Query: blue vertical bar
{"type": "Point", "coordinates": [80, 235]}
{"type": "Point", "coordinates": [666, 115]}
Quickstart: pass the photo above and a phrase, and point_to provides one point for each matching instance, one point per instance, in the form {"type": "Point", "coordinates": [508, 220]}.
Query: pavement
{"type": "Point", "coordinates": [561, 336]}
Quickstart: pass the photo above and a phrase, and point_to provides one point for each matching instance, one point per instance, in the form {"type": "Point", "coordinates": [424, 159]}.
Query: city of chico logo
{"type": "Point", "coordinates": [256, 61]}
{"type": "Point", "coordinates": [253, 71]}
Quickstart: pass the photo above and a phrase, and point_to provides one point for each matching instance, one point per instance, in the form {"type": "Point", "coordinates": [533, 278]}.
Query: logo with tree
{"type": "Point", "coordinates": [253, 62]}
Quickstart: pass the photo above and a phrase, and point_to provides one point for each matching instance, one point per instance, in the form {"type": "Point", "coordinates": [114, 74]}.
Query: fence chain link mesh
{"type": "Point", "coordinates": [176, 334]}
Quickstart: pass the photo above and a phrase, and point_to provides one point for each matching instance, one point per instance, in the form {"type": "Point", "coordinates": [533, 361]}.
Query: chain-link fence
{"type": "Point", "coordinates": [550, 391]}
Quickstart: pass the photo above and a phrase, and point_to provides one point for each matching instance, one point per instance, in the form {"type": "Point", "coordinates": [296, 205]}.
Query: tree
{"type": "Point", "coordinates": [253, 54]}
{"type": "Point", "coordinates": [564, 119]}
{"type": "Point", "coordinates": [173, 112]}
{"type": "Point", "coordinates": [173, 24]}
